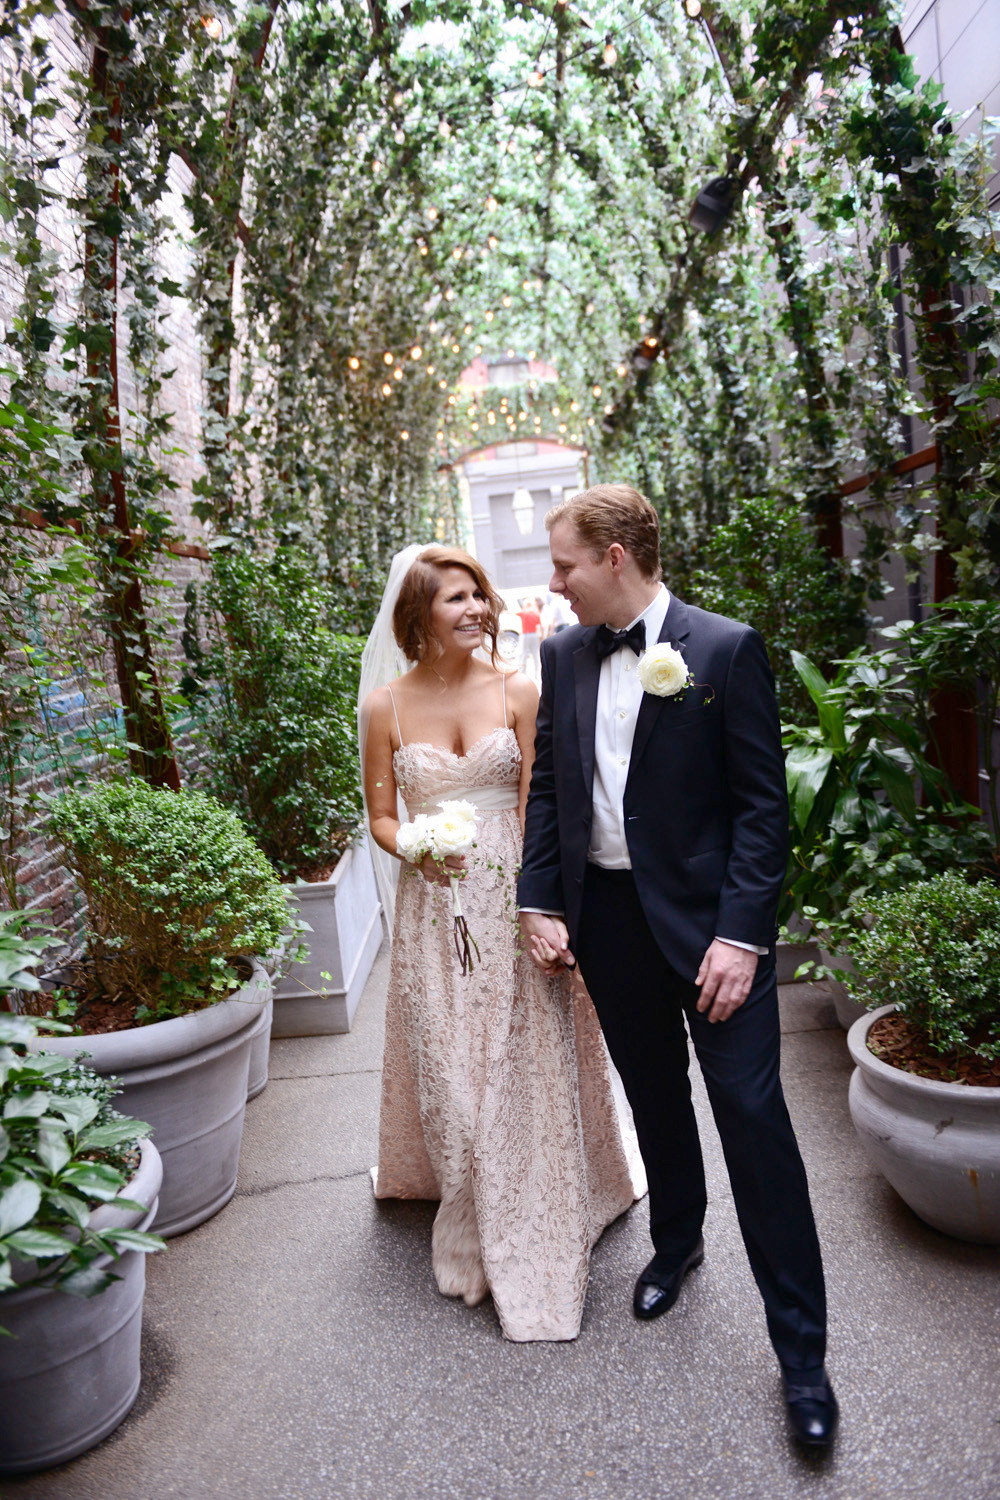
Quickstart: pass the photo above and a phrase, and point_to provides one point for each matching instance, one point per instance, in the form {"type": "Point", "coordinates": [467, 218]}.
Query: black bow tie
{"type": "Point", "coordinates": [608, 641]}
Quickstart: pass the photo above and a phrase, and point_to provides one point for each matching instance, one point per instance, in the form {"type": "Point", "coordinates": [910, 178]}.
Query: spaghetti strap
{"type": "Point", "coordinates": [503, 686]}
{"type": "Point", "coordinates": [395, 715]}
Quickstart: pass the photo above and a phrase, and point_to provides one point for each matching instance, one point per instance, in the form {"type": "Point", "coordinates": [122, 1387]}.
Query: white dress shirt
{"type": "Point", "coordinates": [619, 697]}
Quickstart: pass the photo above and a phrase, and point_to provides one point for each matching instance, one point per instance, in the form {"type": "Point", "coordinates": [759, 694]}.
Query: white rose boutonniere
{"type": "Point", "coordinates": [664, 673]}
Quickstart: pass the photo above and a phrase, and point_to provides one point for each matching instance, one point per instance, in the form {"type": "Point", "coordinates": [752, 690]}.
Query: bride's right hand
{"type": "Point", "coordinates": [432, 869]}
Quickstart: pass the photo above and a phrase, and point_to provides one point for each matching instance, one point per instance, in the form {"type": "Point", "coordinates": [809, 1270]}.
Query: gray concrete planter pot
{"type": "Point", "coordinates": [848, 1010]}
{"type": "Point", "coordinates": [188, 1078]}
{"type": "Point", "coordinates": [938, 1144]}
{"type": "Point", "coordinates": [345, 916]}
{"type": "Point", "coordinates": [789, 956]}
{"type": "Point", "coordinates": [260, 1048]}
{"type": "Point", "coordinates": [70, 1374]}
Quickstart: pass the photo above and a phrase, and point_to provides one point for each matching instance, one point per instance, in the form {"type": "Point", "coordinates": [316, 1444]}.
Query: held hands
{"type": "Point", "coordinates": [724, 979]}
{"type": "Point", "coordinates": [547, 941]}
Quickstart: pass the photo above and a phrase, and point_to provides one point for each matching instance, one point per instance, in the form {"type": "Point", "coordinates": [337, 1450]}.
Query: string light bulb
{"type": "Point", "coordinates": [491, 204]}
{"type": "Point", "coordinates": [610, 55]}
{"type": "Point", "coordinates": [387, 357]}
{"type": "Point", "coordinates": [488, 316]}
{"type": "Point", "coordinates": [457, 253]}
{"type": "Point", "coordinates": [493, 242]}
{"type": "Point", "coordinates": [387, 389]}
{"type": "Point", "coordinates": [430, 369]}
{"type": "Point", "coordinates": [440, 437]}
{"type": "Point", "coordinates": [589, 309]}
{"type": "Point", "coordinates": [405, 435]}
{"type": "Point", "coordinates": [397, 374]}
{"type": "Point", "coordinates": [535, 79]}
{"type": "Point", "coordinates": [597, 390]}
{"type": "Point", "coordinates": [397, 99]}
{"type": "Point", "coordinates": [213, 27]}
{"type": "Point", "coordinates": [621, 372]}
{"type": "Point", "coordinates": [354, 363]}
{"type": "Point", "coordinates": [444, 129]}
{"type": "Point", "coordinates": [432, 213]}
{"type": "Point", "coordinates": [416, 352]}
{"type": "Point", "coordinates": [443, 385]}
{"type": "Point", "coordinates": [399, 136]}
{"type": "Point", "coordinates": [506, 301]}
{"type": "Point", "coordinates": [539, 157]}
{"type": "Point", "coordinates": [693, 8]}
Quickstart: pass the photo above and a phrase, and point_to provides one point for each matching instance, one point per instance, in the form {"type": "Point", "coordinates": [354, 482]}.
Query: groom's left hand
{"type": "Point", "coordinates": [724, 979]}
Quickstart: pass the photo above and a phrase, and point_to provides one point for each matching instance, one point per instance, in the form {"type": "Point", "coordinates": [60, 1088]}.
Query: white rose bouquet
{"type": "Point", "coordinates": [664, 672]}
{"type": "Point", "coordinates": [451, 831]}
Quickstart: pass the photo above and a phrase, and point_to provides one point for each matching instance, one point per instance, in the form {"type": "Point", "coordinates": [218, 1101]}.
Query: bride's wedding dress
{"type": "Point", "coordinates": [496, 1094]}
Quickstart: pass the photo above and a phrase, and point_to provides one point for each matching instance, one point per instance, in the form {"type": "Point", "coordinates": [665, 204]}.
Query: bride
{"type": "Point", "coordinates": [496, 1096]}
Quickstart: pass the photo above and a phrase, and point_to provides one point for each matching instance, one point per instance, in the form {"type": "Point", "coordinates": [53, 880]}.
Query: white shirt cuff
{"type": "Point", "coordinates": [542, 911]}
{"type": "Point", "coordinates": [750, 947]}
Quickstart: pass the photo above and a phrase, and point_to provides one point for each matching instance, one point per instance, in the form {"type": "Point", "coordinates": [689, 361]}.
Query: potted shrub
{"type": "Point", "coordinates": [275, 696]}
{"type": "Point", "coordinates": [925, 1093]}
{"type": "Point", "coordinates": [857, 827]}
{"type": "Point", "coordinates": [175, 892]}
{"type": "Point", "coordinates": [78, 1189]}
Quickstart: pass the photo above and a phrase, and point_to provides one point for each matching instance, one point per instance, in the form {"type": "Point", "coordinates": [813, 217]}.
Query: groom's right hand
{"type": "Point", "coordinates": [547, 941]}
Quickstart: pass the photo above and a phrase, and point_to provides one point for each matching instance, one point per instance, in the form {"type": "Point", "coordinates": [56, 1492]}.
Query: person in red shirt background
{"type": "Point", "coordinates": [531, 633]}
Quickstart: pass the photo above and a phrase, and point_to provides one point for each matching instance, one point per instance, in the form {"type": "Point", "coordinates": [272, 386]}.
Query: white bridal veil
{"type": "Point", "coordinates": [381, 663]}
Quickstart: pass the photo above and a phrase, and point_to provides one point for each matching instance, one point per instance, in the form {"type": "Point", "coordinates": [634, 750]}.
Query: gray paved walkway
{"type": "Point", "coordinates": [296, 1347]}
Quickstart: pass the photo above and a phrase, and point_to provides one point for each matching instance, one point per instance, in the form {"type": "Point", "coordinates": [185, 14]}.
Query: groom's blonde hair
{"type": "Point", "coordinates": [608, 513]}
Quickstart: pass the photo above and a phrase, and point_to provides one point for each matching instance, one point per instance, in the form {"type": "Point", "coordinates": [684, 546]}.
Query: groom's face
{"type": "Point", "coordinates": [586, 583]}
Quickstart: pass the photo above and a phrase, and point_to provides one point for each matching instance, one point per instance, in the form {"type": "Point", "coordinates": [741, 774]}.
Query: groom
{"type": "Point", "coordinates": [654, 855]}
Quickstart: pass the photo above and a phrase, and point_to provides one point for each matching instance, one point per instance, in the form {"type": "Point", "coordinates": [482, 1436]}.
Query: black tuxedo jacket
{"type": "Point", "coordinates": [706, 810]}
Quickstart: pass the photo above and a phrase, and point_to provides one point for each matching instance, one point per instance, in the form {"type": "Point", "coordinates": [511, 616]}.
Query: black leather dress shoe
{"type": "Point", "coordinates": [655, 1291]}
{"type": "Point", "coordinates": [812, 1412]}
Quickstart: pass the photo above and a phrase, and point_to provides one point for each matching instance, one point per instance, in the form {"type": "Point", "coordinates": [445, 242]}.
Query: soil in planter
{"type": "Point", "coordinates": [896, 1041]}
{"type": "Point", "coordinates": [82, 1000]}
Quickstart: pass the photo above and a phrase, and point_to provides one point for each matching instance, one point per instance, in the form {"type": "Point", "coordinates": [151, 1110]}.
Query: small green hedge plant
{"type": "Point", "coordinates": [275, 699]}
{"type": "Point", "coordinates": [175, 888]}
{"type": "Point", "coordinates": [933, 951]}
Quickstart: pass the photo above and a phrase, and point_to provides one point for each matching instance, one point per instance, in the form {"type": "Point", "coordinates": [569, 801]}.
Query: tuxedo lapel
{"type": "Point", "coordinates": [675, 629]}
{"type": "Point", "coordinates": [587, 673]}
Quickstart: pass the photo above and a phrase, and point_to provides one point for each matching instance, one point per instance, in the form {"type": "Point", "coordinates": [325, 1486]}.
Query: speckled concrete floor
{"type": "Point", "coordinates": [296, 1348]}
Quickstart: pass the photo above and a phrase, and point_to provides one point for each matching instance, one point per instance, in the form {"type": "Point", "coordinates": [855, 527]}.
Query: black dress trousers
{"type": "Point", "coordinates": [642, 1004]}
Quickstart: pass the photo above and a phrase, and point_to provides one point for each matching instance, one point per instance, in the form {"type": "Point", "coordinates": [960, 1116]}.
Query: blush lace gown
{"type": "Point", "coordinates": [497, 1098]}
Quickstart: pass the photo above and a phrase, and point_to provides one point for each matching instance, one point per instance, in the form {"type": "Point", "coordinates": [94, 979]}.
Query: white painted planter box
{"type": "Point", "coordinates": [319, 997]}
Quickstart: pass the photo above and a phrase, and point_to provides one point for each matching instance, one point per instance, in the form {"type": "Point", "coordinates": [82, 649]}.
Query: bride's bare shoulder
{"type": "Point", "coordinates": [522, 694]}
{"type": "Point", "coordinates": [376, 708]}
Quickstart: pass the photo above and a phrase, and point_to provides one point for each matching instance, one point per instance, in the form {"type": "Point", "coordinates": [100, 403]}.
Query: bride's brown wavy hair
{"type": "Point", "coordinates": [411, 618]}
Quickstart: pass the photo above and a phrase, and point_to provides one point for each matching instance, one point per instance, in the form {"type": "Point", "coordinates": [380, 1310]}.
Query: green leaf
{"type": "Point", "coordinates": [100, 1137]}
{"type": "Point", "coordinates": [38, 1244]}
{"type": "Point", "coordinates": [806, 771]}
{"type": "Point", "coordinates": [18, 1204]}
{"type": "Point", "coordinates": [53, 1150]}
{"type": "Point", "coordinates": [897, 783]}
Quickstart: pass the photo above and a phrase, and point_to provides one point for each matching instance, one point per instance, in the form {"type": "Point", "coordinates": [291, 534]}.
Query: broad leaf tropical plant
{"type": "Point", "coordinates": [858, 774]}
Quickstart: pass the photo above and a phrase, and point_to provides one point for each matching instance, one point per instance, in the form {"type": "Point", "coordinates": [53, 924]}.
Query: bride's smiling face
{"type": "Point", "coordinates": [457, 611]}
